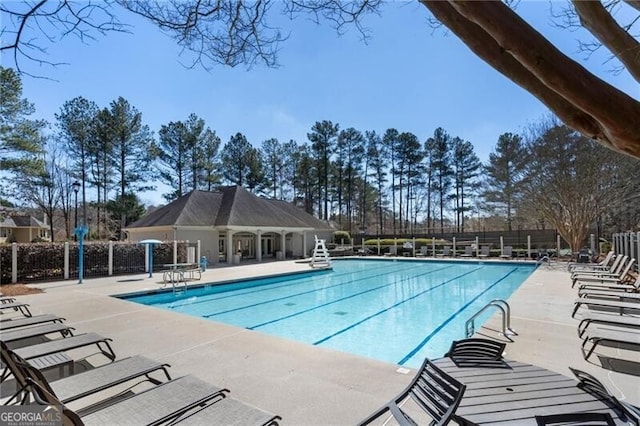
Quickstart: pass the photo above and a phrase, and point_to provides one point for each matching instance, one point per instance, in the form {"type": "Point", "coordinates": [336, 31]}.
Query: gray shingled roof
{"type": "Point", "coordinates": [231, 206]}
{"type": "Point", "coordinates": [22, 222]}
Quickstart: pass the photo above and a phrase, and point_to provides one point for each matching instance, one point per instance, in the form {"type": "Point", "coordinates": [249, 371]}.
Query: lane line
{"type": "Point", "coordinates": [393, 307]}
{"type": "Point", "coordinates": [441, 326]}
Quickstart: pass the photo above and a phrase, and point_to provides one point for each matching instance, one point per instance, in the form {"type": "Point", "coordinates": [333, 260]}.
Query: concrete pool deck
{"type": "Point", "coordinates": [307, 385]}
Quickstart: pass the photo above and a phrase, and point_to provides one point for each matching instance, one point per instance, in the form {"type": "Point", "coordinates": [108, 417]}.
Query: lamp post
{"type": "Point", "coordinates": [76, 187]}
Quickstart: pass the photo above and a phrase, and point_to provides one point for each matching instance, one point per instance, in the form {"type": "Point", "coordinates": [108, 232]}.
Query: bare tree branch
{"type": "Point", "coordinates": [597, 19]}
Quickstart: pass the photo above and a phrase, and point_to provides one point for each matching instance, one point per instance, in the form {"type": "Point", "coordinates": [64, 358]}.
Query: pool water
{"type": "Point", "coordinates": [391, 310]}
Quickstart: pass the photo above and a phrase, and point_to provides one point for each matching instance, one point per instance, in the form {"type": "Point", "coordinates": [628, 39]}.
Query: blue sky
{"type": "Point", "coordinates": [406, 76]}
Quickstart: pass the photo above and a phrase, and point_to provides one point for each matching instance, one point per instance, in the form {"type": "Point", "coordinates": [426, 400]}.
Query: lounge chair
{"type": "Point", "coordinates": [185, 400]}
{"type": "Point", "coordinates": [73, 342]}
{"type": "Point", "coordinates": [158, 405]}
{"type": "Point", "coordinates": [605, 304]}
{"type": "Point", "coordinates": [468, 252]}
{"type": "Point", "coordinates": [609, 336]}
{"type": "Point", "coordinates": [28, 321]}
{"type": "Point", "coordinates": [7, 299]}
{"type": "Point", "coordinates": [610, 286]}
{"type": "Point", "coordinates": [619, 272]}
{"type": "Point", "coordinates": [507, 252]}
{"type": "Point", "coordinates": [16, 306]}
{"type": "Point", "coordinates": [83, 384]}
{"type": "Point", "coordinates": [15, 336]}
{"type": "Point", "coordinates": [590, 384]}
{"type": "Point", "coordinates": [589, 318]}
{"type": "Point", "coordinates": [484, 251]}
{"type": "Point", "coordinates": [584, 267]}
{"type": "Point", "coordinates": [611, 269]}
{"type": "Point", "coordinates": [433, 391]}
{"type": "Point", "coordinates": [446, 252]}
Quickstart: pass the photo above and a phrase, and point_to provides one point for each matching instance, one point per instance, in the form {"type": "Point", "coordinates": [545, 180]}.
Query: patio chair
{"type": "Point", "coordinates": [609, 336]}
{"type": "Point", "coordinates": [15, 336]}
{"type": "Point", "coordinates": [476, 352]}
{"type": "Point", "coordinates": [468, 252]}
{"type": "Point", "coordinates": [589, 318]}
{"type": "Point", "coordinates": [7, 299]}
{"type": "Point", "coordinates": [507, 252]}
{"type": "Point", "coordinates": [10, 324]}
{"type": "Point", "coordinates": [23, 308]}
{"type": "Point", "coordinates": [433, 391]}
{"type": "Point", "coordinates": [229, 412]}
{"type": "Point", "coordinates": [90, 382]}
{"type": "Point", "coordinates": [590, 384]}
{"type": "Point", "coordinates": [484, 251]}
{"type": "Point", "coordinates": [446, 252]}
{"type": "Point", "coordinates": [476, 348]}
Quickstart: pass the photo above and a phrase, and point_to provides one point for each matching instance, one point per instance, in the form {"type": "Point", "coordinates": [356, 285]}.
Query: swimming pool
{"type": "Point", "coordinates": [396, 311]}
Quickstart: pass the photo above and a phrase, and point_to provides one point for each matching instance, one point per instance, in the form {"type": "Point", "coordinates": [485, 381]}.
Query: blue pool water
{"type": "Point", "coordinates": [391, 310]}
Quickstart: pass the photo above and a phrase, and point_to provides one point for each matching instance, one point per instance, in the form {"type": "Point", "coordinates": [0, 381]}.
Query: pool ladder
{"type": "Point", "coordinates": [505, 309]}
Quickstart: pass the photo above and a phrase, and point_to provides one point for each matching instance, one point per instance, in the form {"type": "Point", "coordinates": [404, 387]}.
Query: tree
{"type": "Point", "coordinates": [130, 155]}
{"type": "Point", "coordinates": [171, 152]}
{"type": "Point", "coordinates": [390, 142]}
{"type": "Point", "coordinates": [376, 160]}
{"type": "Point", "coordinates": [439, 147]}
{"type": "Point", "coordinates": [410, 155]}
{"type": "Point", "coordinates": [323, 138]}
{"type": "Point", "coordinates": [572, 181]}
{"type": "Point", "coordinates": [20, 138]}
{"type": "Point", "coordinates": [236, 161]}
{"type": "Point", "coordinates": [208, 160]}
{"type": "Point", "coordinates": [41, 189]}
{"type": "Point", "coordinates": [274, 163]}
{"type": "Point", "coordinates": [505, 175]}
{"type": "Point", "coordinates": [351, 143]}
{"type": "Point", "coordinates": [128, 207]}
{"type": "Point", "coordinates": [233, 33]}
{"type": "Point", "coordinates": [76, 122]}
{"type": "Point", "coordinates": [466, 168]}
{"type": "Point", "coordinates": [101, 151]}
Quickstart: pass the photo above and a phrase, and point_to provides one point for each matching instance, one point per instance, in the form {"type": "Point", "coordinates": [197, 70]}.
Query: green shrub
{"type": "Point", "coordinates": [341, 237]}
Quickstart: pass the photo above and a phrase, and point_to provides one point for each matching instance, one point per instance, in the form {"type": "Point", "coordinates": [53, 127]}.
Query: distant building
{"type": "Point", "coordinates": [233, 224]}
{"type": "Point", "coordinates": [23, 229]}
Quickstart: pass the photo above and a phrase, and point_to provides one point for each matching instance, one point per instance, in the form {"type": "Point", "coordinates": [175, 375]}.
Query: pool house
{"type": "Point", "coordinates": [232, 225]}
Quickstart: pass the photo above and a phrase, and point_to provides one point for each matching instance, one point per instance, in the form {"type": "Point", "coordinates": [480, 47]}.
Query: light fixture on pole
{"type": "Point", "coordinates": [76, 187]}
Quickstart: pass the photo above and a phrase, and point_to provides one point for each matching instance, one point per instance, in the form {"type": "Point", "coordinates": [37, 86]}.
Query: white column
{"type": "Point", "coordinates": [477, 246]}
{"type": "Point", "coordinates": [528, 246]}
{"type": "Point", "coordinates": [304, 244]}
{"type": "Point", "coordinates": [198, 252]}
{"type": "Point", "coordinates": [66, 260]}
{"type": "Point", "coordinates": [378, 246]}
{"type": "Point", "coordinates": [110, 267]}
{"type": "Point", "coordinates": [229, 245]}
{"type": "Point", "coordinates": [414, 246]}
{"type": "Point", "coordinates": [433, 246]}
{"type": "Point", "coordinates": [259, 245]}
{"type": "Point", "coordinates": [283, 242]}
{"type": "Point", "coordinates": [558, 248]}
{"type": "Point", "coordinates": [454, 247]}
{"type": "Point", "coordinates": [592, 243]}
{"type": "Point", "coordinates": [215, 253]}
{"type": "Point", "coordinates": [501, 245]}
{"type": "Point", "coordinates": [14, 263]}
{"type": "Point", "coordinates": [175, 251]}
